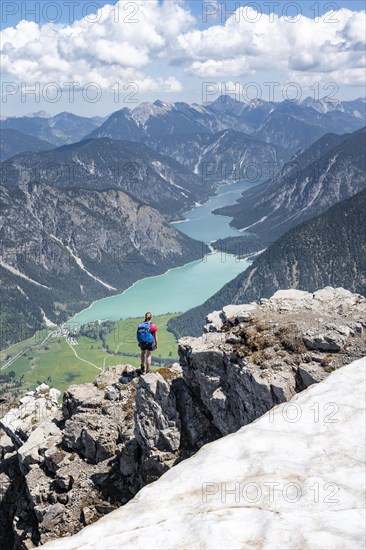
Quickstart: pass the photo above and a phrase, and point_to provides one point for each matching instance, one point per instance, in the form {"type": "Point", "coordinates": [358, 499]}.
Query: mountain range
{"type": "Point", "coordinates": [287, 124]}
{"type": "Point", "coordinates": [225, 156]}
{"type": "Point", "coordinates": [330, 170]}
{"type": "Point", "coordinates": [62, 249]}
{"type": "Point", "coordinates": [58, 130]}
{"type": "Point", "coordinates": [328, 250]}
{"type": "Point", "coordinates": [166, 157]}
{"type": "Point", "coordinates": [13, 142]}
{"type": "Point", "coordinates": [104, 163]}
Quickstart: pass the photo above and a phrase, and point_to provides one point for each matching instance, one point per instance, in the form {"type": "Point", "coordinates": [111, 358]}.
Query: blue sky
{"type": "Point", "coordinates": [189, 51]}
{"type": "Point", "coordinates": [69, 10]}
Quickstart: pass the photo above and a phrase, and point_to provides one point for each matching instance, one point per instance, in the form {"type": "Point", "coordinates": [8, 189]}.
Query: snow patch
{"type": "Point", "coordinates": [274, 484]}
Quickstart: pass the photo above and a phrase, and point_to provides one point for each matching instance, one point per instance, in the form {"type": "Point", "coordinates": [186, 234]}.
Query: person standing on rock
{"type": "Point", "coordinates": [148, 341]}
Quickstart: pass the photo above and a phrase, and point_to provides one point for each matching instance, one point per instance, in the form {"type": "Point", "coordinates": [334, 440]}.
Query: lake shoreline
{"type": "Point", "coordinates": [188, 226]}
{"type": "Point", "coordinates": [127, 289]}
{"type": "Point", "coordinates": [120, 295]}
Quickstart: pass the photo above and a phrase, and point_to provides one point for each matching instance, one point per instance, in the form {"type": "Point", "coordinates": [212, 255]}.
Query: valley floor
{"type": "Point", "coordinates": [59, 359]}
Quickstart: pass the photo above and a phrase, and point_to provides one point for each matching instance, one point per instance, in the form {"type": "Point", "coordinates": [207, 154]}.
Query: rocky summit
{"type": "Point", "coordinates": [62, 468]}
{"type": "Point", "coordinates": [292, 479]}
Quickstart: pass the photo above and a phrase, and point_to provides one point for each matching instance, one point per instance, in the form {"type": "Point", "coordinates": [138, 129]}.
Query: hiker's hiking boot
{"type": "Point", "coordinates": [142, 369]}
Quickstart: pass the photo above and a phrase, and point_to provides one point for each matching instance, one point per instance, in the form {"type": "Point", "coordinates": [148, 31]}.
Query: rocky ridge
{"type": "Point", "coordinates": [279, 482]}
{"type": "Point", "coordinates": [63, 469]}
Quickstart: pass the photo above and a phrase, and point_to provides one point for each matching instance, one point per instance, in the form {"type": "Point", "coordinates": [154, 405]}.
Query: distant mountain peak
{"type": "Point", "coordinates": [143, 112]}
{"type": "Point", "coordinates": [39, 114]}
{"type": "Point", "coordinates": [225, 98]}
{"type": "Point", "coordinates": [160, 103]}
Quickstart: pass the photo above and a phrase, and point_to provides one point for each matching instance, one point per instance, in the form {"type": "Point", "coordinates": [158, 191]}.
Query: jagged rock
{"type": "Point", "coordinates": [33, 450]}
{"type": "Point", "coordinates": [232, 339]}
{"type": "Point", "coordinates": [327, 301]}
{"type": "Point", "coordinates": [35, 408]}
{"type": "Point", "coordinates": [55, 458]}
{"type": "Point", "coordinates": [89, 515]}
{"type": "Point", "coordinates": [64, 479]}
{"type": "Point", "coordinates": [94, 436]}
{"type": "Point", "coordinates": [63, 498]}
{"type": "Point", "coordinates": [257, 357]}
{"type": "Point", "coordinates": [6, 445]}
{"type": "Point", "coordinates": [114, 375]}
{"type": "Point", "coordinates": [229, 314]}
{"type": "Point", "coordinates": [358, 328]}
{"type": "Point", "coordinates": [330, 341]}
{"type": "Point", "coordinates": [80, 398]}
{"type": "Point", "coordinates": [233, 394]}
{"type": "Point", "coordinates": [255, 488]}
{"type": "Point", "coordinates": [157, 420]}
{"type": "Point", "coordinates": [112, 393]}
{"type": "Point", "coordinates": [124, 431]}
{"type": "Point", "coordinates": [289, 300]}
{"type": "Point", "coordinates": [312, 374]}
{"type": "Point", "coordinates": [239, 313]}
{"type": "Point", "coordinates": [214, 322]}
{"type": "Point", "coordinates": [52, 517]}
{"type": "Point", "coordinates": [54, 395]}
{"type": "Point", "coordinates": [5, 483]}
{"type": "Point", "coordinates": [39, 488]}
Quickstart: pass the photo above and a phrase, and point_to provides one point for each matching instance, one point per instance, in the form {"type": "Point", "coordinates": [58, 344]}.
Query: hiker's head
{"type": "Point", "coordinates": [148, 316]}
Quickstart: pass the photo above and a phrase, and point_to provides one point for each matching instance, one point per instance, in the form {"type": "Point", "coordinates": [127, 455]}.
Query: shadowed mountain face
{"type": "Point", "coordinates": [225, 156]}
{"type": "Point", "coordinates": [327, 250]}
{"type": "Point", "coordinates": [331, 170]}
{"type": "Point", "coordinates": [58, 130]}
{"type": "Point", "coordinates": [13, 142]}
{"type": "Point", "coordinates": [104, 164]}
{"type": "Point", "coordinates": [63, 249]}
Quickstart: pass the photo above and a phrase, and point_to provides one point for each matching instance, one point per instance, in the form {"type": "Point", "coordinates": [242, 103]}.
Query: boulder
{"type": "Point", "coordinates": [6, 446]}
{"type": "Point", "coordinates": [53, 516]}
{"type": "Point", "coordinates": [239, 313]}
{"type": "Point", "coordinates": [213, 322]}
{"type": "Point", "coordinates": [93, 437]}
{"type": "Point", "coordinates": [35, 408]}
{"type": "Point", "coordinates": [330, 341]}
{"type": "Point", "coordinates": [33, 450]}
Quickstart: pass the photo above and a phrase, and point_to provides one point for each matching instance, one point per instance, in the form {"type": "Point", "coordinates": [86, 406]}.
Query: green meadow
{"type": "Point", "coordinates": [59, 363]}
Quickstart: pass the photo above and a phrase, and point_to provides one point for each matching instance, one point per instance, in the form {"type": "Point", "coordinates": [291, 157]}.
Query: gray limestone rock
{"type": "Point", "coordinates": [66, 470]}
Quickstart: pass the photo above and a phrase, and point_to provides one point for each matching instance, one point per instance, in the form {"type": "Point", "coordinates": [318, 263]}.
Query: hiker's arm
{"type": "Point", "coordinates": [156, 338]}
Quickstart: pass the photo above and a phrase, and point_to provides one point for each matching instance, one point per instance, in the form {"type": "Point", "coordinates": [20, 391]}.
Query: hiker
{"type": "Point", "coordinates": [148, 341]}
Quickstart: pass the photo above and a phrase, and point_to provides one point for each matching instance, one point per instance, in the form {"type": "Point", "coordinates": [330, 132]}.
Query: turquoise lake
{"type": "Point", "coordinates": [204, 226]}
{"type": "Point", "coordinates": [181, 288]}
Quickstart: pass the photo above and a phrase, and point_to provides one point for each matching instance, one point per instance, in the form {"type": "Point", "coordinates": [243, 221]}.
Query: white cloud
{"type": "Point", "coordinates": [218, 68]}
{"type": "Point", "coordinates": [112, 49]}
{"type": "Point", "coordinates": [241, 47]}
